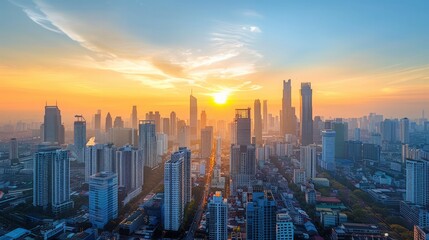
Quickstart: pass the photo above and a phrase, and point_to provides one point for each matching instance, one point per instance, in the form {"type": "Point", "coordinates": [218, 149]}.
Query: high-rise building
{"type": "Point", "coordinates": [218, 220]}
{"type": "Point", "coordinates": [79, 136]}
{"type": "Point", "coordinates": [417, 181]}
{"type": "Point", "coordinates": [51, 179]}
{"type": "Point", "coordinates": [118, 123]}
{"type": "Point", "coordinates": [306, 114]}
{"type": "Point", "coordinates": [257, 122]}
{"type": "Point", "coordinates": [328, 150]}
{"type": "Point", "coordinates": [308, 160]}
{"type": "Point", "coordinates": [109, 122]}
{"type": "Point", "coordinates": [97, 121]}
{"type": "Point", "coordinates": [166, 126]}
{"type": "Point", "coordinates": [183, 134]}
{"type": "Point", "coordinates": [218, 151]}
{"type": "Point", "coordinates": [261, 215]}
{"type": "Point", "coordinates": [147, 142]}
{"type": "Point", "coordinates": [265, 116]}
{"type": "Point", "coordinates": [404, 132]}
{"type": "Point", "coordinates": [318, 126]}
{"type": "Point", "coordinates": [134, 118]}
{"type": "Point", "coordinates": [203, 119]}
{"type": "Point", "coordinates": [13, 151]}
{"type": "Point", "coordinates": [206, 141]}
{"type": "Point", "coordinates": [173, 126]}
{"type": "Point", "coordinates": [53, 129]}
{"type": "Point", "coordinates": [242, 123]}
{"type": "Point", "coordinates": [287, 117]}
{"type": "Point", "coordinates": [193, 116]}
{"type": "Point", "coordinates": [103, 198]}
{"type": "Point", "coordinates": [98, 158]}
{"type": "Point", "coordinates": [157, 118]}
{"type": "Point", "coordinates": [174, 192]}
{"type": "Point", "coordinates": [390, 130]}
{"type": "Point", "coordinates": [284, 227]}
{"type": "Point", "coordinates": [242, 166]}
{"type": "Point", "coordinates": [186, 152]}
{"type": "Point", "coordinates": [341, 136]}
{"type": "Point", "coordinates": [129, 166]}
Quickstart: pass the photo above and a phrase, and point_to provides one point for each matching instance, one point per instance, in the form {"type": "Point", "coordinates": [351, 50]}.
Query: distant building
{"type": "Point", "coordinates": [218, 220]}
{"type": "Point", "coordinates": [174, 192]}
{"type": "Point", "coordinates": [79, 136]}
{"type": "Point", "coordinates": [13, 151]}
{"type": "Point", "coordinates": [306, 114]}
{"type": "Point", "coordinates": [404, 132]}
{"type": "Point", "coordinates": [147, 142]}
{"type": "Point", "coordinates": [109, 122]}
{"type": "Point", "coordinates": [328, 150]}
{"type": "Point", "coordinates": [193, 116]}
{"type": "Point", "coordinates": [206, 141]}
{"type": "Point", "coordinates": [51, 179]}
{"type": "Point", "coordinates": [103, 198]}
{"type": "Point", "coordinates": [53, 129]}
{"type": "Point", "coordinates": [257, 122]}
{"type": "Point", "coordinates": [98, 158]}
{"type": "Point", "coordinates": [134, 122]}
{"type": "Point", "coordinates": [341, 135]}
{"type": "Point", "coordinates": [308, 160]}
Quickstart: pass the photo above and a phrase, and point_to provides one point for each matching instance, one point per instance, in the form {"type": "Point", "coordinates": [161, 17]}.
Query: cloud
{"type": "Point", "coordinates": [251, 13]}
{"type": "Point", "coordinates": [228, 53]}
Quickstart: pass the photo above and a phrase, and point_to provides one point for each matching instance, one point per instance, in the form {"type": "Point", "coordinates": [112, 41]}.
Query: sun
{"type": "Point", "coordinates": [220, 97]}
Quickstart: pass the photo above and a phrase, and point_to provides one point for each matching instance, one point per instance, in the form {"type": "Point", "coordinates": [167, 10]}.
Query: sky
{"type": "Point", "coordinates": [360, 56]}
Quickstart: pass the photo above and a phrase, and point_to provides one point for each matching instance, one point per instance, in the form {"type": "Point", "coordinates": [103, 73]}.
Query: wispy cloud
{"type": "Point", "coordinates": [227, 55]}
{"type": "Point", "coordinates": [251, 13]}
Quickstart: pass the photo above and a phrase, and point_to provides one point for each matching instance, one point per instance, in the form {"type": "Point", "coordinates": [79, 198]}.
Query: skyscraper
{"type": "Point", "coordinates": [404, 132]}
{"type": "Point", "coordinates": [193, 116]}
{"type": "Point", "coordinates": [147, 142]}
{"type": "Point", "coordinates": [417, 181]}
{"type": "Point", "coordinates": [186, 153]}
{"type": "Point", "coordinates": [79, 136]}
{"type": "Point", "coordinates": [97, 121]}
{"type": "Point", "coordinates": [51, 179]}
{"type": "Point", "coordinates": [134, 118]}
{"type": "Point", "coordinates": [258, 122]}
{"type": "Point", "coordinates": [98, 158]}
{"type": "Point", "coordinates": [242, 166]}
{"type": "Point", "coordinates": [287, 117]}
{"type": "Point", "coordinates": [306, 114]}
{"type": "Point", "coordinates": [206, 141]}
{"type": "Point", "coordinates": [242, 123]}
{"type": "Point", "coordinates": [203, 119]}
{"type": "Point", "coordinates": [129, 167]}
{"type": "Point", "coordinates": [157, 118]}
{"type": "Point", "coordinates": [183, 134]}
{"type": "Point", "coordinates": [389, 130]}
{"type": "Point", "coordinates": [109, 122]}
{"type": "Point", "coordinates": [265, 116]}
{"type": "Point", "coordinates": [328, 150]}
{"type": "Point", "coordinates": [218, 151]}
{"type": "Point", "coordinates": [308, 160]}
{"type": "Point", "coordinates": [261, 215]}
{"type": "Point", "coordinates": [166, 126]}
{"type": "Point", "coordinates": [173, 126]}
{"type": "Point", "coordinates": [118, 123]}
{"type": "Point", "coordinates": [174, 192]}
{"type": "Point", "coordinates": [218, 210]}
{"type": "Point", "coordinates": [13, 151]}
{"type": "Point", "coordinates": [341, 136]}
{"type": "Point", "coordinates": [53, 130]}
{"type": "Point", "coordinates": [103, 198]}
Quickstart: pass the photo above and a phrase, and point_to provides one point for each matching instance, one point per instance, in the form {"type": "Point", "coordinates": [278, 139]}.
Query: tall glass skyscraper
{"type": "Point", "coordinates": [261, 215]}
{"type": "Point", "coordinates": [328, 150]}
{"type": "Point", "coordinates": [147, 142]}
{"type": "Point", "coordinates": [306, 114]}
{"type": "Point", "coordinates": [103, 198]}
{"type": "Point", "coordinates": [53, 130]}
{"type": "Point", "coordinates": [79, 136]}
{"type": "Point", "coordinates": [218, 210]}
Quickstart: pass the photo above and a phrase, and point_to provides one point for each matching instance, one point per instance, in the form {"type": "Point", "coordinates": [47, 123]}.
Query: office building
{"type": "Point", "coordinates": [193, 116]}
{"type": "Point", "coordinates": [98, 158]}
{"type": "Point", "coordinates": [308, 160]}
{"type": "Point", "coordinates": [109, 122]}
{"type": "Point", "coordinates": [186, 154]}
{"type": "Point", "coordinates": [79, 136]}
{"type": "Point", "coordinates": [206, 141]}
{"type": "Point", "coordinates": [174, 192]}
{"type": "Point", "coordinates": [287, 116]}
{"type": "Point", "coordinates": [328, 150]}
{"type": "Point", "coordinates": [261, 215]}
{"type": "Point", "coordinates": [218, 151]}
{"type": "Point", "coordinates": [242, 126]}
{"type": "Point", "coordinates": [390, 130]}
{"type": "Point", "coordinates": [341, 135]}
{"type": "Point", "coordinates": [173, 126]}
{"type": "Point", "coordinates": [417, 181]}
{"type": "Point", "coordinates": [284, 227]}
{"type": "Point", "coordinates": [203, 119]}
{"type": "Point", "coordinates": [147, 142]}
{"type": "Point", "coordinates": [97, 121]}
{"type": "Point", "coordinates": [404, 133]}
{"type": "Point", "coordinates": [166, 126]}
{"type": "Point", "coordinates": [103, 198]}
{"type": "Point", "coordinates": [129, 166]}
{"type": "Point", "coordinates": [242, 166]}
{"type": "Point", "coordinates": [265, 116]}
{"type": "Point", "coordinates": [257, 122]}
{"type": "Point", "coordinates": [53, 129]}
{"type": "Point", "coordinates": [51, 179]}
{"type": "Point", "coordinates": [183, 134]}
{"type": "Point", "coordinates": [306, 114]}
{"type": "Point", "coordinates": [134, 122]}
{"type": "Point", "coordinates": [118, 123]}
{"type": "Point", "coordinates": [218, 219]}
{"type": "Point", "coordinates": [13, 151]}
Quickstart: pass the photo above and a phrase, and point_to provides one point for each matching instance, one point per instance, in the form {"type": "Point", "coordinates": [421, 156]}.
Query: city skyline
{"type": "Point", "coordinates": [358, 65]}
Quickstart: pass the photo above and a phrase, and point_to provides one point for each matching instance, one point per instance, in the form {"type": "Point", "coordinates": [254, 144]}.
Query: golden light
{"type": "Point", "coordinates": [220, 97]}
